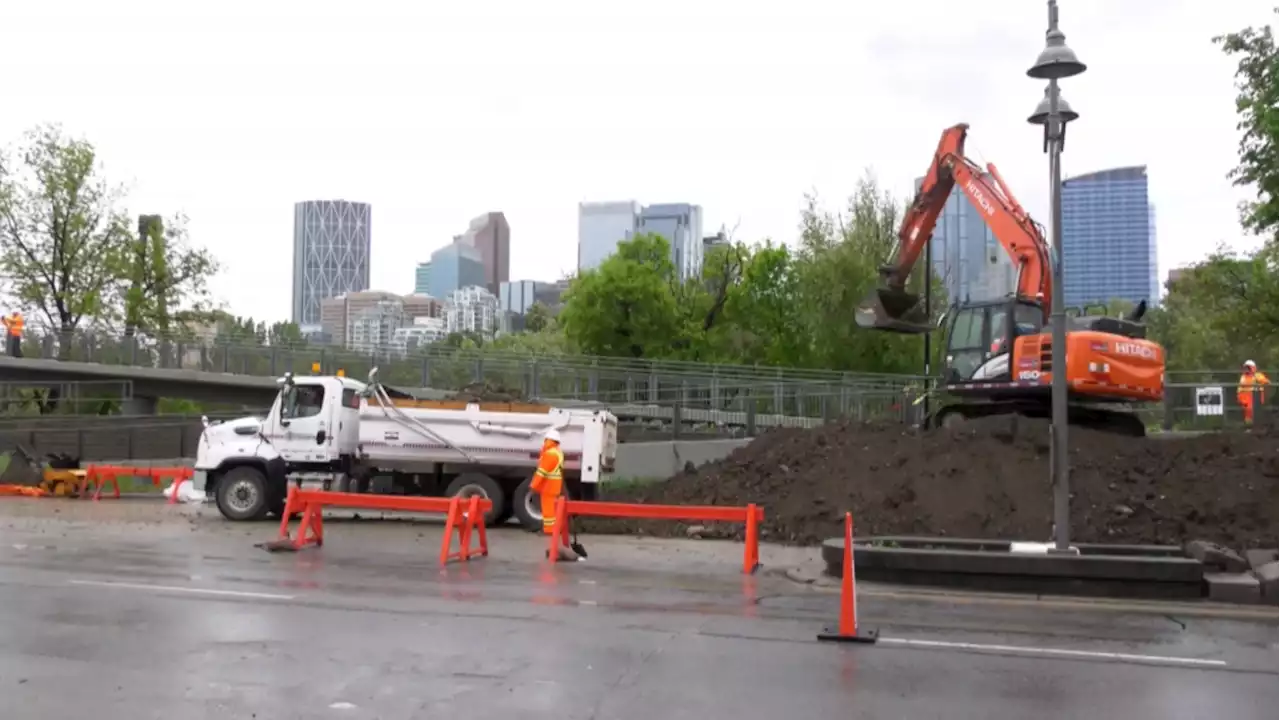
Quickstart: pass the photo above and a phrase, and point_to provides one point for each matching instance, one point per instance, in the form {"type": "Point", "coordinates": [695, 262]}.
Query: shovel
{"type": "Point", "coordinates": [575, 545]}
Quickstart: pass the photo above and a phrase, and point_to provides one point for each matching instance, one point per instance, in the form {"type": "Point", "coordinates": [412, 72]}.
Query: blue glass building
{"type": "Point", "coordinates": [681, 225]}
{"type": "Point", "coordinates": [422, 279]}
{"type": "Point", "coordinates": [454, 267]}
{"type": "Point", "coordinates": [1109, 238]}
{"type": "Point", "coordinates": [966, 255]}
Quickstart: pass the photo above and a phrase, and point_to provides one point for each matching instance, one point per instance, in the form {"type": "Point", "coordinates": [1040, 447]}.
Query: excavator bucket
{"type": "Point", "coordinates": [893, 310]}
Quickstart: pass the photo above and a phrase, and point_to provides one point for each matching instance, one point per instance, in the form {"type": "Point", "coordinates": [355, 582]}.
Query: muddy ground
{"type": "Point", "coordinates": [989, 479]}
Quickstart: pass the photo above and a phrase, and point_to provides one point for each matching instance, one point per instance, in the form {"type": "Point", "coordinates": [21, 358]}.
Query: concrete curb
{"type": "Point", "coordinates": [1098, 571]}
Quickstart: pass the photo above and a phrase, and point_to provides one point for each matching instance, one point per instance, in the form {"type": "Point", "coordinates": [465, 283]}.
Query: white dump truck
{"type": "Point", "coordinates": [351, 436]}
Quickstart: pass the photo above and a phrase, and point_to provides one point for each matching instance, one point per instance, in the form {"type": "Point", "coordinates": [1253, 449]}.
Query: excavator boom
{"type": "Point", "coordinates": [893, 306]}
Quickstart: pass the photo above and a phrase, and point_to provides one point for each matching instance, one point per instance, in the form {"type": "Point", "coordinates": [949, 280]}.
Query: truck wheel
{"type": "Point", "coordinates": [471, 484]}
{"type": "Point", "coordinates": [242, 494]}
{"type": "Point", "coordinates": [527, 506]}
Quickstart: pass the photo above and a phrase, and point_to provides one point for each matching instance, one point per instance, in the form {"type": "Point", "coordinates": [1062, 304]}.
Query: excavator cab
{"type": "Point", "coordinates": [981, 336]}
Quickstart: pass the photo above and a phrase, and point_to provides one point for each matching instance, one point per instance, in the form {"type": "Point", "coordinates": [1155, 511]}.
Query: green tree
{"type": "Point", "coordinates": [285, 334]}
{"type": "Point", "coordinates": [538, 318]}
{"type": "Point", "coordinates": [1221, 311]}
{"type": "Point", "coordinates": [626, 307]}
{"type": "Point", "coordinates": [837, 266]}
{"type": "Point", "coordinates": [69, 251]}
{"type": "Point", "coordinates": [161, 273]}
{"type": "Point", "coordinates": [1256, 106]}
{"type": "Point", "coordinates": [61, 230]}
{"type": "Point", "coordinates": [764, 308]}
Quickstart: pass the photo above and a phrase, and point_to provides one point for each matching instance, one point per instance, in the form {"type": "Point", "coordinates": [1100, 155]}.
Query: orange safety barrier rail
{"type": "Point", "coordinates": [465, 517]}
{"type": "Point", "coordinates": [100, 476]}
{"type": "Point", "coordinates": [848, 630]}
{"type": "Point", "coordinates": [751, 515]}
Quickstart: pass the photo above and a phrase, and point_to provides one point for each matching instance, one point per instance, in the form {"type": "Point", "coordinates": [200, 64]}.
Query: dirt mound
{"type": "Point", "coordinates": [988, 479]}
{"type": "Point", "coordinates": [486, 392]}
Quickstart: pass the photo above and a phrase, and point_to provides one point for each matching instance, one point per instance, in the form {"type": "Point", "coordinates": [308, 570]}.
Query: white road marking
{"type": "Point", "coordinates": [341, 705]}
{"type": "Point", "coordinates": [588, 602]}
{"type": "Point", "coordinates": [1057, 652]}
{"type": "Point", "coordinates": [178, 589]}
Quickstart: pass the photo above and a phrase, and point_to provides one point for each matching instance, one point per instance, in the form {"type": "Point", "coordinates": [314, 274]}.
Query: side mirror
{"type": "Point", "coordinates": [204, 421]}
{"type": "Point", "coordinates": [942, 319]}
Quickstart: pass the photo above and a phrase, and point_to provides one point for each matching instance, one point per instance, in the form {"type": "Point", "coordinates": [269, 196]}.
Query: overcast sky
{"type": "Point", "coordinates": [231, 111]}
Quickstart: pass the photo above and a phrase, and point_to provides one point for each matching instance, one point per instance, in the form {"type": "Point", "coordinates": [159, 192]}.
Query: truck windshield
{"type": "Point", "coordinates": [302, 401]}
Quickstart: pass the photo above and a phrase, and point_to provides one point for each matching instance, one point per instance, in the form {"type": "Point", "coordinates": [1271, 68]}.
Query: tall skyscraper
{"type": "Point", "coordinates": [1109, 238]}
{"type": "Point", "coordinates": [601, 226]}
{"type": "Point", "coordinates": [491, 235]}
{"type": "Point", "coordinates": [455, 266]}
{"type": "Point", "coordinates": [681, 225]}
{"type": "Point", "coordinates": [972, 264]}
{"type": "Point", "coordinates": [332, 240]}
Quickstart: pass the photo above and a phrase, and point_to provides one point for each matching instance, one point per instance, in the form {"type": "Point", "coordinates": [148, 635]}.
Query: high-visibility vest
{"type": "Point", "coordinates": [557, 471]}
{"type": "Point", "coordinates": [1251, 383]}
{"type": "Point", "coordinates": [14, 323]}
{"type": "Point", "coordinates": [549, 483]}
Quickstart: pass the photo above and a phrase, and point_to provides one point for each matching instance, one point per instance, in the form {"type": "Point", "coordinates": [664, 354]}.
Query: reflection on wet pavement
{"type": "Point", "coordinates": [141, 610]}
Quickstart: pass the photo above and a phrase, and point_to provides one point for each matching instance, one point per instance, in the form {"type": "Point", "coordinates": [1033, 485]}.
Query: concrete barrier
{"type": "Point", "coordinates": [664, 459]}
{"type": "Point", "coordinates": [1130, 571]}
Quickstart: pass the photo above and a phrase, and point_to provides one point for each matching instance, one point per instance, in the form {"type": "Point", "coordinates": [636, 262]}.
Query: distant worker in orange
{"type": "Point", "coordinates": [13, 325]}
{"type": "Point", "coordinates": [1251, 388]}
{"type": "Point", "coordinates": [548, 482]}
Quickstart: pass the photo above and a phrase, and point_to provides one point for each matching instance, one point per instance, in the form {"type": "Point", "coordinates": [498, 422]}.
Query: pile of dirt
{"type": "Point", "coordinates": [987, 479]}
{"type": "Point", "coordinates": [487, 392]}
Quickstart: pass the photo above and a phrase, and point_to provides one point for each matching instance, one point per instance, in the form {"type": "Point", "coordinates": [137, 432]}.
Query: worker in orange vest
{"type": "Point", "coordinates": [13, 325]}
{"type": "Point", "coordinates": [548, 482]}
{"type": "Point", "coordinates": [1251, 388]}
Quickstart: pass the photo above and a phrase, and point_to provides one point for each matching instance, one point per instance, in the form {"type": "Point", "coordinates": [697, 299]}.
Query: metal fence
{"type": "Point", "coordinates": [684, 396]}
{"type": "Point", "coordinates": [785, 391]}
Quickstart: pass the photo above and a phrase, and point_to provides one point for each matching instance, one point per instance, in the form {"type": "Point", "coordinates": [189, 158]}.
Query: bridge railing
{"type": "Point", "coordinates": [576, 377]}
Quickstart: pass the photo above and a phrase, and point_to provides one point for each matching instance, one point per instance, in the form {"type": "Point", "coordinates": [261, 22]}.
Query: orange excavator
{"type": "Point", "coordinates": [999, 353]}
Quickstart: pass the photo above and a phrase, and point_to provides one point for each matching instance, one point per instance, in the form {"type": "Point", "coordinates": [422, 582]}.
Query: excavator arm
{"type": "Point", "coordinates": [892, 306]}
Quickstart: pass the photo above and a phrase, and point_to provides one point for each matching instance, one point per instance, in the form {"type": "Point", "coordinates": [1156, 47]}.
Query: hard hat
{"type": "Point", "coordinates": [1250, 364]}
{"type": "Point", "coordinates": [553, 435]}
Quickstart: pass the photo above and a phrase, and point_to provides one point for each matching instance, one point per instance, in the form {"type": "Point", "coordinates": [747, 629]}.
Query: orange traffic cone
{"type": "Point", "coordinates": [848, 628]}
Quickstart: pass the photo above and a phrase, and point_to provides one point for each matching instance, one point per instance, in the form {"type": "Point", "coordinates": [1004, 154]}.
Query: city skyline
{"type": "Point", "coordinates": [370, 118]}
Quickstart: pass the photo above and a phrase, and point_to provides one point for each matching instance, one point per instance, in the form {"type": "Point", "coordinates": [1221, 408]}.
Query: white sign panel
{"type": "Point", "coordinates": [1209, 401]}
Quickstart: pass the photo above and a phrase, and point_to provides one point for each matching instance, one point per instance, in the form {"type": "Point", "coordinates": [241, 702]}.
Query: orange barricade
{"type": "Point", "coordinates": [751, 515]}
{"type": "Point", "coordinates": [847, 630]}
{"type": "Point", "coordinates": [100, 476]}
{"type": "Point", "coordinates": [463, 517]}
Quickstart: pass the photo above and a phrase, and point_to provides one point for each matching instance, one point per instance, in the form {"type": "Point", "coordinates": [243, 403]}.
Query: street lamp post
{"type": "Point", "coordinates": [1056, 62]}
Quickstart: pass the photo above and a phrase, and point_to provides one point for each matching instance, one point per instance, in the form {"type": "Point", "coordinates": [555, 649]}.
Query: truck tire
{"type": "Point", "coordinates": [469, 484]}
{"type": "Point", "coordinates": [242, 494]}
{"type": "Point", "coordinates": [527, 506]}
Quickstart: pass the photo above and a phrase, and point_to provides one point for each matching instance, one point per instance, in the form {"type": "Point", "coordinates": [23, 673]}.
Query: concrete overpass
{"type": "Point", "coordinates": [150, 384]}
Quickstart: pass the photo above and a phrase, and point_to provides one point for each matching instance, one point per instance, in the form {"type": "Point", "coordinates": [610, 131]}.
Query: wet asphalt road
{"type": "Point", "coordinates": [182, 618]}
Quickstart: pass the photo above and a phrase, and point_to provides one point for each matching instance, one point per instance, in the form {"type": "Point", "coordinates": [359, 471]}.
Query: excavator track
{"type": "Point", "coordinates": [1109, 419]}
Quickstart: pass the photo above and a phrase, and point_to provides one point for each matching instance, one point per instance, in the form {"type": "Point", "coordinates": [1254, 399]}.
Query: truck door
{"type": "Point", "coordinates": [303, 423]}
